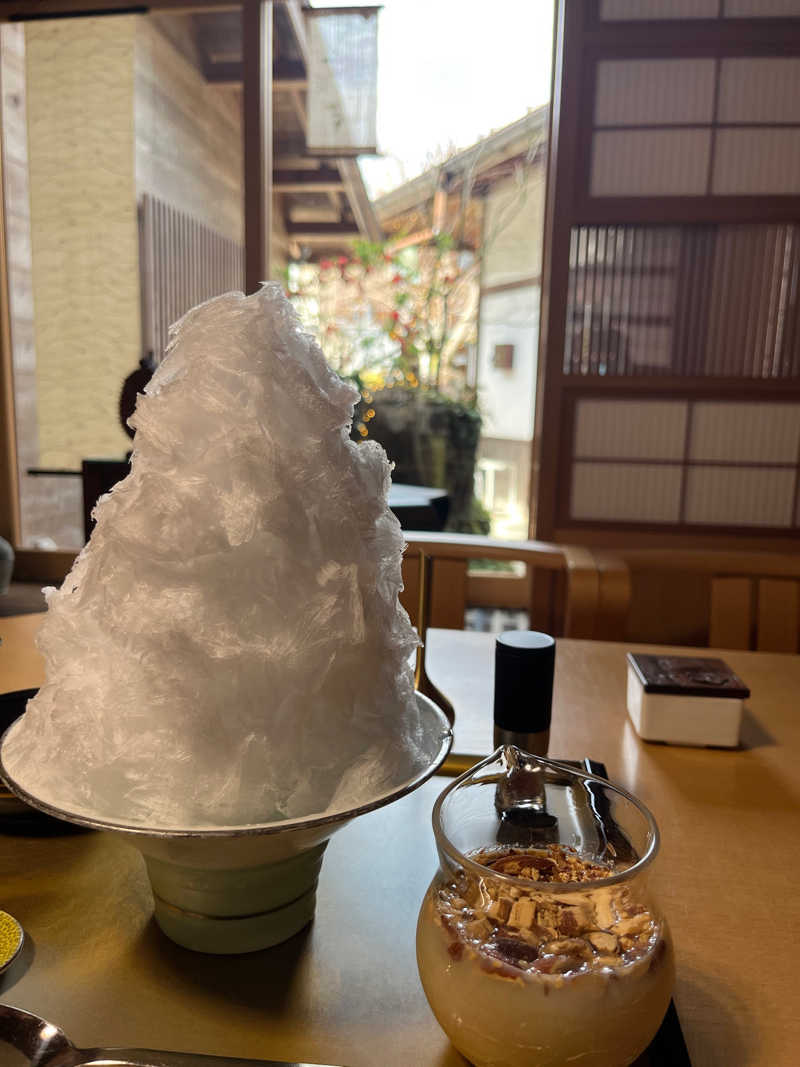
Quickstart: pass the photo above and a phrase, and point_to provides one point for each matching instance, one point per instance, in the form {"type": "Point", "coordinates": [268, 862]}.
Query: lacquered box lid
{"type": "Point", "coordinates": [689, 676]}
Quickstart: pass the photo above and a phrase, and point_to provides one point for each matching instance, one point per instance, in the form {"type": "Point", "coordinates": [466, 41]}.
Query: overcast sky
{"type": "Point", "coordinates": [450, 72]}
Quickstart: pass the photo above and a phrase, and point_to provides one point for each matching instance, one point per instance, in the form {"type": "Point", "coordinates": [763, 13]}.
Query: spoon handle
{"type": "Point", "coordinates": [142, 1057]}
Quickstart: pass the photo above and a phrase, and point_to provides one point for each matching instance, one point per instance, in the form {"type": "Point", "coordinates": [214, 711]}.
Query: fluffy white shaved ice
{"type": "Point", "coordinates": [228, 649]}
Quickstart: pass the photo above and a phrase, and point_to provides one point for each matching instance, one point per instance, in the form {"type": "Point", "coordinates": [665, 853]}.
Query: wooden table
{"type": "Point", "coordinates": [729, 868]}
{"type": "Point", "coordinates": [346, 991]}
{"type": "Point", "coordinates": [21, 666]}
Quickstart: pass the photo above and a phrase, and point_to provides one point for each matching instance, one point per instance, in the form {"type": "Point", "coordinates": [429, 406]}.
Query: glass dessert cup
{"type": "Point", "coordinates": [243, 888]}
{"type": "Point", "coordinates": [538, 941]}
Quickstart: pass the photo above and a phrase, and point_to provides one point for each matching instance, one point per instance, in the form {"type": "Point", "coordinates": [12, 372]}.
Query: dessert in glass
{"type": "Point", "coordinates": [539, 942]}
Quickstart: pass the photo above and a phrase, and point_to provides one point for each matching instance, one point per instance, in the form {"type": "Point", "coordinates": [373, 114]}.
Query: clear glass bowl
{"type": "Point", "coordinates": [539, 942]}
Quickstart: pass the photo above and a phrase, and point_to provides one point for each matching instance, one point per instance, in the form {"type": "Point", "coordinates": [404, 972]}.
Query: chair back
{"type": "Point", "coordinates": [567, 591]}
{"type": "Point", "coordinates": [722, 599]}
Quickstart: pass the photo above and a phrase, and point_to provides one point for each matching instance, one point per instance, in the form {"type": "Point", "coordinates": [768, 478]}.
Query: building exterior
{"type": "Point", "coordinates": [670, 399]}
{"type": "Point", "coordinates": [125, 174]}
{"type": "Point", "coordinates": [503, 179]}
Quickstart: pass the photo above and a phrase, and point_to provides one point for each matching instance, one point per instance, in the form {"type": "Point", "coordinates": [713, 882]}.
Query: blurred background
{"type": "Point", "coordinates": [568, 295]}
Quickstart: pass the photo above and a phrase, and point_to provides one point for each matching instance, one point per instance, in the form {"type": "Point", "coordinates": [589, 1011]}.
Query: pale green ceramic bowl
{"type": "Point", "coordinates": [243, 888]}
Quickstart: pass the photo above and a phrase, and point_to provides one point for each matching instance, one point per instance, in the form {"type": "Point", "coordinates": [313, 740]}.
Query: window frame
{"type": "Point", "coordinates": [257, 16]}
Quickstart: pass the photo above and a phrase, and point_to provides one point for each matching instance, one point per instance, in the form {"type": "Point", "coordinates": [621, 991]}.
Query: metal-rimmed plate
{"type": "Point", "coordinates": [435, 738]}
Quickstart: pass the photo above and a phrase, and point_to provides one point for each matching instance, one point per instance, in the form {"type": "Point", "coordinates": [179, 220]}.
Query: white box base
{"type": "Point", "coordinates": [680, 720]}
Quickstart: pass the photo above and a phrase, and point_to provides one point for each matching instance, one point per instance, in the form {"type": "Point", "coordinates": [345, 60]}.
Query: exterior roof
{"type": "Point", "coordinates": [321, 201]}
{"type": "Point", "coordinates": [487, 161]}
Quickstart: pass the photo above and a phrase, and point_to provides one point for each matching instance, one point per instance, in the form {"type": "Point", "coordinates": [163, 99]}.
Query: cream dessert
{"type": "Point", "coordinates": [522, 973]}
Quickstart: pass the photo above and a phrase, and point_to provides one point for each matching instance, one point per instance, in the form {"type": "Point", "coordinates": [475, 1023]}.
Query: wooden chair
{"type": "Point", "coordinates": [571, 592]}
{"type": "Point", "coordinates": [721, 599]}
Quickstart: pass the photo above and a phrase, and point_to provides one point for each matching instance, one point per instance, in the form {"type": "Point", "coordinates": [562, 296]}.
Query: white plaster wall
{"type": "Point", "coordinates": [514, 228]}
{"type": "Point", "coordinates": [507, 396]}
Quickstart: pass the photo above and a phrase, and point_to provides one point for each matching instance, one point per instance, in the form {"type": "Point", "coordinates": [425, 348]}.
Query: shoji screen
{"type": "Point", "coordinates": [670, 395]}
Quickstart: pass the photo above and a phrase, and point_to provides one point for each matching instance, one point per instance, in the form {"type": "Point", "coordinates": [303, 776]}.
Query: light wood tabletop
{"type": "Point", "coordinates": [21, 666]}
{"type": "Point", "coordinates": [346, 990]}
{"type": "Point", "coordinates": [729, 866]}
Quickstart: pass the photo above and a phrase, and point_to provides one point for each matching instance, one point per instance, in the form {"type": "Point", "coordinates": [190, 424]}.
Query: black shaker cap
{"type": "Point", "coordinates": [523, 680]}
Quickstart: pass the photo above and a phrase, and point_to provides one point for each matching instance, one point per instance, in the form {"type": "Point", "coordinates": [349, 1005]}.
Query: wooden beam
{"type": "Point", "coordinates": [223, 74]}
{"type": "Point", "coordinates": [292, 147]}
{"type": "Point", "coordinates": [325, 180]}
{"type": "Point", "coordinates": [299, 108]}
{"type": "Point", "coordinates": [282, 160]}
{"type": "Point", "coordinates": [230, 72]}
{"type": "Point", "coordinates": [294, 10]}
{"type": "Point", "coordinates": [307, 231]}
{"type": "Point", "coordinates": [563, 150]}
{"type": "Point", "coordinates": [288, 70]}
{"type": "Point", "coordinates": [25, 11]}
{"type": "Point", "coordinates": [288, 85]}
{"type": "Point", "coordinates": [360, 203]}
{"type": "Point", "coordinates": [257, 113]}
{"type": "Point", "coordinates": [336, 202]}
{"type": "Point", "coordinates": [300, 187]}
{"type": "Point", "coordinates": [323, 245]}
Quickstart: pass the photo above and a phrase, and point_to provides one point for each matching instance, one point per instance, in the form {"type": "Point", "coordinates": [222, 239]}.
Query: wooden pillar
{"type": "Point", "coordinates": [9, 486]}
{"type": "Point", "coordinates": [257, 124]}
{"type": "Point", "coordinates": [562, 154]}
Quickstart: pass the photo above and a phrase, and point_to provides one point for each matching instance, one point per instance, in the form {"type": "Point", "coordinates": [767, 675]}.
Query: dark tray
{"type": "Point", "coordinates": [16, 817]}
{"type": "Point", "coordinates": [668, 1047]}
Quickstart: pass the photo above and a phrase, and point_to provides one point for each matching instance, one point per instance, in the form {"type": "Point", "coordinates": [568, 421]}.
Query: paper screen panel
{"type": "Point", "coordinates": [625, 492]}
{"type": "Point", "coordinates": [654, 92]}
{"type": "Point", "coordinates": [739, 496]}
{"type": "Point", "coordinates": [702, 300]}
{"type": "Point", "coordinates": [621, 299]}
{"type": "Point", "coordinates": [630, 429]}
{"type": "Point", "coordinates": [649, 349]}
{"type": "Point", "coordinates": [745, 432]}
{"type": "Point", "coordinates": [342, 81]}
{"type": "Point", "coordinates": [755, 89]}
{"type": "Point", "coordinates": [751, 162]}
{"type": "Point", "coordinates": [594, 245]}
{"type": "Point", "coordinates": [613, 10]}
{"type": "Point", "coordinates": [748, 313]}
{"type": "Point", "coordinates": [650, 162]}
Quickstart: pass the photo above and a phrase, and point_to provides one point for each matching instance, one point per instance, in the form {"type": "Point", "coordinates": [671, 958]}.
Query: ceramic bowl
{"type": "Point", "coordinates": [244, 888]}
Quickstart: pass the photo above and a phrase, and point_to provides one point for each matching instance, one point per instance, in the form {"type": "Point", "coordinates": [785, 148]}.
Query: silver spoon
{"type": "Point", "coordinates": [44, 1045]}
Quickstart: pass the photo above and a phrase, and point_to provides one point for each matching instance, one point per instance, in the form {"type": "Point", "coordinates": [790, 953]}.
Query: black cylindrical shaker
{"type": "Point", "coordinates": [523, 690]}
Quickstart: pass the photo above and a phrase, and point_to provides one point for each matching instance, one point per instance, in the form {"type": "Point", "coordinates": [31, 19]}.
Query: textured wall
{"type": "Point", "coordinates": [188, 135]}
{"type": "Point", "coordinates": [80, 82]}
{"type": "Point", "coordinates": [514, 229]}
{"type": "Point", "coordinates": [18, 241]}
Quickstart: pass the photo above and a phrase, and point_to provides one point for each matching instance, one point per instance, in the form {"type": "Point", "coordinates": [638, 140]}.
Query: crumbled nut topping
{"type": "Point", "coordinates": [556, 863]}
{"type": "Point", "coordinates": [519, 928]}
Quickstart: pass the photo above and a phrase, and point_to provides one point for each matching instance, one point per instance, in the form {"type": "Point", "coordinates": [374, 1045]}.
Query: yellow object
{"type": "Point", "coordinates": [11, 937]}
